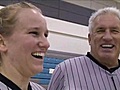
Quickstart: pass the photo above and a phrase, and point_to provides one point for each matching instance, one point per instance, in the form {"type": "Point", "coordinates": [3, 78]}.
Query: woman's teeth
{"type": "Point", "coordinates": [38, 55]}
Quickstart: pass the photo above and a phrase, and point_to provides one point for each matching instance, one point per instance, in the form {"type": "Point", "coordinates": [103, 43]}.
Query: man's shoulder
{"type": "Point", "coordinates": [74, 59]}
{"type": "Point", "coordinates": [36, 86]}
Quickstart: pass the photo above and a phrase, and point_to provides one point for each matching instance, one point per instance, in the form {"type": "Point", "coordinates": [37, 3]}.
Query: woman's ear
{"type": "Point", "coordinates": [2, 44]}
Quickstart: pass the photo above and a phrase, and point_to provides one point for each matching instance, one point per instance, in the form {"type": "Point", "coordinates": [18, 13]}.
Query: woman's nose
{"type": "Point", "coordinates": [44, 43]}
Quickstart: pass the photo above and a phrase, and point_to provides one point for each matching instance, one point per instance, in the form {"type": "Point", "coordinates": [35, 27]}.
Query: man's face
{"type": "Point", "coordinates": [28, 44]}
{"type": "Point", "coordinates": [105, 37]}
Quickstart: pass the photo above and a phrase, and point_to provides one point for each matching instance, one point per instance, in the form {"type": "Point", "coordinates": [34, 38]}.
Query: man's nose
{"type": "Point", "coordinates": [107, 35]}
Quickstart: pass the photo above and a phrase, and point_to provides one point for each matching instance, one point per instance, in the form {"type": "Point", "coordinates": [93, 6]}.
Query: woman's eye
{"type": "Point", "coordinates": [46, 34]}
{"type": "Point", "coordinates": [34, 33]}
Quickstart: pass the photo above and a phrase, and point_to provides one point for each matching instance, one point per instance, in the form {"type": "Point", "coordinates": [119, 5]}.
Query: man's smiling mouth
{"type": "Point", "coordinates": [109, 46]}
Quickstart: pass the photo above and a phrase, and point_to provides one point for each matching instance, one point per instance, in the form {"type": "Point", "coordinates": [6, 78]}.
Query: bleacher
{"type": "Point", "coordinates": [43, 78]}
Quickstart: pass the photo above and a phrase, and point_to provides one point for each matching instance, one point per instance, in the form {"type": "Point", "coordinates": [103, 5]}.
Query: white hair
{"type": "Point", "coordinates": [102, 11]}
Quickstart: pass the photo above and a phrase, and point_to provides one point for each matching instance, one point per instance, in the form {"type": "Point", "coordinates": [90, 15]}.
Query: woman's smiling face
{"type": "Point", "coordinates": [28, 44]}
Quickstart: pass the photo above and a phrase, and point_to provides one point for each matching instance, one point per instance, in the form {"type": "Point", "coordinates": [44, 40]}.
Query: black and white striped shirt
{"type": "Point", "coordinates": [84, 73]}
{"type": "Point", "coordinates": [6, 84]}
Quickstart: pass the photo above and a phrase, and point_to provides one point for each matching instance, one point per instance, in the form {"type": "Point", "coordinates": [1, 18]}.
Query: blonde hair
{"type": "Point", "coordinates": [8, 16]}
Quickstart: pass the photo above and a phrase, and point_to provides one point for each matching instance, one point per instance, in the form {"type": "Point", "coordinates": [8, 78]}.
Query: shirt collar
{"type": "Point", "coordinates": [101, 65]}
{"type": "Point", "coordinates": [10, 84]}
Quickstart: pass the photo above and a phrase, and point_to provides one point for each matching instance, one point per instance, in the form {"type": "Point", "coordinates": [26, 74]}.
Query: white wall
{"type": "Point", "coordinates": [67, 37]}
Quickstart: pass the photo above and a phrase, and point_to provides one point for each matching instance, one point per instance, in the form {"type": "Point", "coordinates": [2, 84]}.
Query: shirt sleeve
{"type": "Point", "coordinates": [57, 79]}
{"type": "Point", "coordinates": [36, 86]}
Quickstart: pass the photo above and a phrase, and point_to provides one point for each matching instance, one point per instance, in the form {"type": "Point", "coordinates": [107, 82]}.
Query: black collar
{"type": "Point", "coordinates": [10, 84]}
{"type": "Point", "coordinates": [101, 65]}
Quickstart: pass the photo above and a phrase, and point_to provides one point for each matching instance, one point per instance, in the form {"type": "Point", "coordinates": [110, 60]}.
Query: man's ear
{"type": "Point", "coordinates": [2, 44]}
{"type": "Point", "coordinates": [89, 38]}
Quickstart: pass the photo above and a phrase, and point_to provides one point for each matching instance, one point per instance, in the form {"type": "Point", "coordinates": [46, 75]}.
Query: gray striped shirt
{"type": "Point", "coordinates": [84, 73]}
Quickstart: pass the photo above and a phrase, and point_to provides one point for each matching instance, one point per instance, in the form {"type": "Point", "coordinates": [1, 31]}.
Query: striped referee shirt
{"type": "Point", "coordinates": [84, 73]}
{"type": "Point", "coordinates": [6, 84]}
